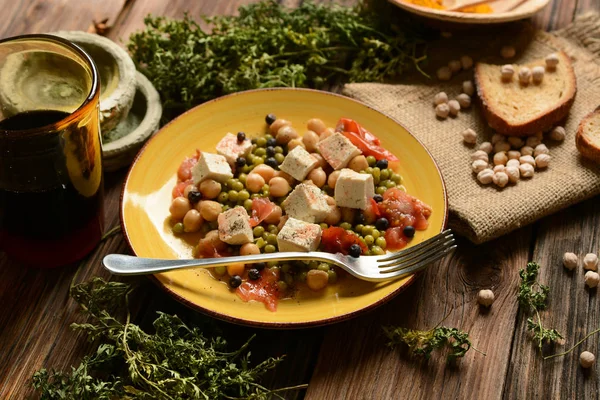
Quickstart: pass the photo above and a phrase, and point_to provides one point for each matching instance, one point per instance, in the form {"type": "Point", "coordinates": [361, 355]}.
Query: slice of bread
{"type": "Point", "coordinates": [520, 110]}
{"type": "Point", "coordinates": [588, 136]}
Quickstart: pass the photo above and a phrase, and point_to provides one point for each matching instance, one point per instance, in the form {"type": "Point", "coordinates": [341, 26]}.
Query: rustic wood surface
{"type": "Point", "coordinates": [347, 360]}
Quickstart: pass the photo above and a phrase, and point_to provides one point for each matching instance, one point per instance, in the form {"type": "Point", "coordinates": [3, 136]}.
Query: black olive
{"type": "Point", "coordinates": [194, 196]}
{"type": "Point", "coordinates": [272, 162]}
{"type": "Point", "coordinates": [235, 281]}
{"type": "Point", "coordinates": [240, 162]}
{"type": "Point", "coordinates": [378, 198]}
{"type": "Point", "coordinates": [253, 274]}
{"type": "Point", "coordinates": [260, 266]}
{"type": "Point", "coordinates": [271, 142]}
{"type": "Point", "coordinates": [241, 136]}
{"type": "Point", "coordinates": [270, 118]}
{"type": "Point", "coordinates": [355, 250]}
{"type": "Point", "coordinates": [409, 231]}
{"type": "Point", "coordinates": [382, 164]}
{"type": "Point", "coordinates": [382, 224]}
{"type": "Point", "coordinates": [270, 151]}
{"type": "Point", "coordinates": [360, 218]}
{"type": "Point", "coordinates": [253, 140]}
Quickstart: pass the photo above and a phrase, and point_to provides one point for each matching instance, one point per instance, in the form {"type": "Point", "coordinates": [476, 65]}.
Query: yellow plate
{"type": "Point", "coordinates": [147, 195]}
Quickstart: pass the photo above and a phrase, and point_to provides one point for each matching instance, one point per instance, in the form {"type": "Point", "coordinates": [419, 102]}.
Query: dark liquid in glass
{"type": "Point", "coordinates": [46, 222]}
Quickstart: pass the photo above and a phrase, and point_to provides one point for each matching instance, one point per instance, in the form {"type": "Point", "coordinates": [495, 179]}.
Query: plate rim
{"type": "Point", "coordinates": [263, 324]}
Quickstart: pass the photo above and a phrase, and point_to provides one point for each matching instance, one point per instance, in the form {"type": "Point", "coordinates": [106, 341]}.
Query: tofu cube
{"type": "Point", "coordinates": [234, 226]}
{"type": "Point", "coordinates": [338, 150]}
{"type": "Point", "coordinates": [211, 166]}
{"type": "Point", "coordinates": [353, 190]}
{"type": "Point", "coordinates": [298, 235]}
{"type": "Point", "coordinates": [298, 163]}
{"type": "Point", "coordinates": [307, 203]}
{"type": "Point", "coordinates": [230, 148]}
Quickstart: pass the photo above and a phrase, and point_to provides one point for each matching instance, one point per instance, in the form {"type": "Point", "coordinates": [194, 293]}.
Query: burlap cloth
{"type": "Point", "coordinates": [482, 212]}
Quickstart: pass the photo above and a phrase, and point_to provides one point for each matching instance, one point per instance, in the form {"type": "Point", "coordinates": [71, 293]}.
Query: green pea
{"type": "Point", "coordinates": [278, 149]}
{"type": "Point", "coordinates": [230, 182]}
{"type": "Point", "coordinates": [242, 178]}
{"type": "Point", "coordinates": [258, 161]}
{"type": "Point", "coordinates": [380, 190]}
{"type": "Point", "coordinates": [205, 228]}
{"type": "Point", "coordinates": [260, 242]}
{"type": "Point", "coordinates": [261, 151]}
{"type": "Point", "coordinates": [346, 225]}
{"type": "Point", "coordinates": [376, 233]}
{"type": "Point", "coordinates": [223, 197]}
{"type": "Point", "coordinates": [376, 172]}
{"type": "Point", "coordinates": [258, 230]}
{"type": "Point", "coordinates": [323, 225]}
{"type": "Point", "coordinates": [265, 236]}
{"type": "Point", "coordinates": [385, 174]}
{"type": "Point", "coordinates": [243, 195]}
{"type": "Point", "coordinates": [369, 240]}
{"type": "Point", "coordinates": [220, 270]}
{"type": "Point", "coordinates": [272, 228]}
{"type": "Point", "coordinates": [246, 169]}
{"type": "Point", "coordinates": [380, 241]}
{"type": "Point", "coordinates": [390, 184]}
{"type": "Point", "coordinates": [279, 158]}
{"type": "Point", "coordinates": [288, 278]}
{"type": "Point", "coordinates": [377, 251]}
{"type": "Point", "coordinates": [270, 248]}
{"type": "Point", "coordinates": [371, 160]}
{"type": "Point", "coordinates": [358, 228]}
{"type": "Point", "coordinates": [178, 228]}
{"type": "Point", "coordinates": [367, 230]}
{"type": "Point", "coordinates": [237, 185]}
{"type": "Point", "coordinates": [272, 239]}
{"type": "Point", "coordinates": [261, 141]}
{"type": "Point", "coordinates": [273, 264]}
{"type": "Point", "coordinates": [313, 265]}
{"type": "Point", "coordinates": [282, 286]}
{"type": "Point", "coordinates": [332, 276]}
{"type": "Point", "coordinates": [248, 204]}
{"type": "Point", "coordinates": [254, 196]}
{"type": "Point", "coordinates": [233, 195]}
{"type": "Point", "coordinates": [397, 178]}
{"type": "Point", "coordinates": [323, 267]}
{"type": "Point", "coordinates": [268, 136]}
{"type": "Point", "coordinates": [301, 277]}
{"type": "Point", "coordinates": [401, 187]}
{"type": "Point", "coordinates": [286, 267]}
{"type": "Point", "coordinates": [369, 171]}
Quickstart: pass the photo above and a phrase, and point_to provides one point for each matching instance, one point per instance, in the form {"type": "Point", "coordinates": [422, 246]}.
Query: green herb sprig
{"type": "Point", "coordinates": [174, 362]}
{"type": "Point", "coordinates": [268, 45]}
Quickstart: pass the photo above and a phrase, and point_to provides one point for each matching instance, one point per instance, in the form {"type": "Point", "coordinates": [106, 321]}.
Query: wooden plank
{"type": "Point", "coordinates": [574, 310]}
{"type": "Point", "coordinates": [556, 15]}
{"type": "Point", "coordinates": [361, 367]}
{"type": "Point", "coordinates": [40, 16]}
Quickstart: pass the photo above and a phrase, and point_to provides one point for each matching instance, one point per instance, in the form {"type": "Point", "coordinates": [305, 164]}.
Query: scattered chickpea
{"type": "Point", "coordinates": [524, 75]}
{"type": "Point", "coordinates": [513, 173]}
{"type": "Point", "coordinates": [188, 189]}
{"type": "Point", "coordinates": [440, 98]}
{"type": "Point", "coordinates": [179, 207]}
{"type": "Point", "coordinates": [539, 135]}
{"type": "Point", "coordinates": [285, 134]}
{"type": "Point", "coordinates": [290, 179]}
{"type": "Point", "coordinates": [507, 71]}
{"type": "Point", "coordinates": [480, 155]}
{"type": "Point", "coordinates": [278, 187]}
{"type": "Point", "coordinates": [527, 160]}
{"type": "Point", "coordinates": [526, 170]}
{"type": "Point", "coordinates": [499, 168]}
{"type": "Point", "coordinates": [277, 124]}
{"type": "Point", "coordinates": [479, 165]}
{"type": "Point", "coordinates": [570, 261]}
{"type": "Point", "coordinates": [254, 182]}
{"type": "Point", "coordinates": [274, 216]}
{"type": "Point", "coordinates": [587, 359]}
{"type": "Point", "coordinates": [558, 134]}
{"type": "Point", "coordinates": [316, 125]}
{"type": "Point", "coordinates": [540, 149]}
{"type": "Point", "coordinates": [464, 100]}
{"type": "Point", "coordinates": [322, 163]}
{"type": "Point", "coordinates": [537, 74]}
{"type": "Point", "coordinates": [468, 88]}
{"type": "Point", "coordinates": [442, 110]}
{"type": "Point", "coordinates": [455, 66]}
{"type": "Point", "coordinates": [500, 158]}
{"type": "Point", "coordinates": [508, 52]}
{"type": "Point", "coordinates": [486, 146]}
{"type": "Point", "coordinates": [318, 176]}
{"type": "Point", "coordinates": [590, 262]}
{"type": "Point", "coordinates": [248, 249]}
{"type": "Point", "coordinates": [212, 238]}
{"type": "Point", "coordinates": [454, 107]}
{"type": "Point", "coordinates": [485, 297]}
{"type": "Point", "coordinates": [551, 61]}
{"type": "Point", "coordinates": [310, 140]}
{"type": "Point", "coordinates": [514, 154]}
{"type": "Point", "coordinates": [316, 279]}
{"type": "Point", "coordinates": [444, 73]}
{"type": "Point", "coordinates": [236, 269]}
{"type": "Point", "coordinates": [192, 221]}
{"type": "Point", "coordinates": [486, 176]}
{"type": "Point", "coordinates": [358, 163]}
{"type": "Point", "coordinates": [500, 179]}
{"type": "Point", "coordinates": [542, 160]}
{"type": "Point", "coordinates": [591, 279]}
{"type": "Point", "coordinates": [501, 146]}
{"type": "Point", "coordinates": [210, 189]}
{"type": "Point", "coordinates": [497, 137]}
{"type": "Point", "coordinates": [330, 200]}
{"type": "Point", "coordinates": [466, 62]}
{"type": "Point", "coordinates": [469, 136]}
{"type": "Point", "coordinates": [333, 177]}
{"type": "Point", "coordinates": [295, 143]}
{"type": "Point", "coordinates": [514, 162]}
{"type": "Point", "coordinates": [265, 171]}
{"type": "Point", "coordinates": [533, 141]}
{"type": "Point", "coordinates": [515, 142]}
{"type": "Point", "coordinates": [334, 216]}
{"type": "Point", "coordinates": [326, 133]}
{"type": "Point", "coordinates": [526, 151]}
{"type": "Point", "coordinates": [209, 209]}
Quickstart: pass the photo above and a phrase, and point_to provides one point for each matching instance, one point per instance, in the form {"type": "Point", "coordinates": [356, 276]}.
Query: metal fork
{"type": "Point", "coordinates": [370, 268]}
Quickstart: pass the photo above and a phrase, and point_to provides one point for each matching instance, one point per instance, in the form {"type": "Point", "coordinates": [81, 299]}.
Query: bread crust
{"type": "Point", "coordinates": [584, 145]}
{"type": "Point", "coordinates": [540, 123]}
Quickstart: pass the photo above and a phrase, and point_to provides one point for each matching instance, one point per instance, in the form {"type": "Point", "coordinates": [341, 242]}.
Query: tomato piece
{"type": "Point", "coordinates": [264, 289]}
{"type": "Point", "coordinates": [338, 240]}
{"type": "Point", "coordinates": [185, 169]}
{"type": "Point", "coordinates": [395, 238]}
{"type": "Point", "coordinates": [370, 149]}
{"type": "Point", "coordinates": [180, 187]}
{"type": "Point", "coordinates": [349, 125]}
{"type": "Point", "coordinates": [261, 209]}
{"type": "Point", "coordinates": [208, 250]}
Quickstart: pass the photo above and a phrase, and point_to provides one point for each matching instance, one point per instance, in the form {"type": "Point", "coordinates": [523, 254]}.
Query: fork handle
{"type": "Point", "coordinates": [120, 264]}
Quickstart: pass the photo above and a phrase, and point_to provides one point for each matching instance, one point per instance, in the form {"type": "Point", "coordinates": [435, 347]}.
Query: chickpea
{"type": "Point", "coordinates": [310, 140]}
{"type": "Point", "coordinates": [500, 179]}
{"type": "Point", "coordinates": [370, 215]}
{"type": "Point", "coordinates": [442, 110]}
{"type": "Point", "coordinates": [212, 238]}
{"type": "Point", "coordinates": [453, 107]}
{"type": "Point", "coordinates": [486, 146]}
{"type": "Point", "coordinates": [527, 151]}
{"type": "Point", "coordinates": [501, 146]}
{"type": "Point", "coordinates": [282, 222]}
{"type": "Point", "coordinates": [466, 62]}
{"type": "Point", "coordinates": [265, 171]}
{"type": "Point", "coordinates": [455, 66]}
{"type": "Point", "coordinates": [587, 359]}
{"type": "Point", "coordinates": [290, 179]}
{"type": "Point", "coordinates": [499, 168]}
{"type": "Point", "coordinates": [333, 177]}
{"type": "Point", "coordinates": [479, 165]}
{"type": "Point", "coordinates": [469, 136]}
{"type": "Point", "coordinates": [558, 134]}
{"type": "Point", "coordinates": [326, 133]}
{"type": "Point", "coordinates": [316, 125]}
{"type": "Point", "coordinates": [500, 158]}
{"type": "Point", "coordinates": [497, 137]}
{"type": "Point", "coordinates": [322, 163]}
{"type": "Point", "coordinates": [526, 170]}
{"type": "Point", "coordinates": [318, 177]}
{"type": "Point", "coordinates": [285, 134]}
{"type": "Point", "coordinates": [537, 73]}
{"type": "Point", "coordinates": [468, 87]}
{"type": "Point", "coordinates": [514, 155]}
{"type": "Point", "coordinates": [179, 207]}
{"type": "Point", "coordinates": [254, 182]}
{"type": "Point", "coordinates": [358, 163]}
{"type": "Point", "coordinates": [192, 221]}
{"type": "Point", "coordinates": [513, 173]}
{"type": "Point", "coordinates": [444, 73]}
{"type": "Point", "coordinates": [334, 216]}
{"type": "Point", "coordinates": [236, 269]}
{"type": "Point", "coordinates": [591, 279]}
{"type": "Point", "coordinates": [486, 176]}
{"type": "Point", "coordinates": [279, 187]}
{"type": "Point", "coordinates": [330, 200]}
{"type": "Point", "coordinates": [464, 100]}
{"type": "Point", "coordinates": [513, 162]}
{"type": "Point", "coordinates": [249, 249]}
{"type": "Point", "coordinates": [485, 297]}
{"type": "Point", "coordinates": [210, 189]}
{"type": "Point", "coordinates": [188, 189]}
{"type": "Point", "coordinates": [552, 61]}
{"type": "Point", "coordinates": [507, 71]}
{"type": "Point", "coordinates": [570, 261]}
{"type": "Point", "coordinates": [540, 149]}
{"type": "Point", "coordinates": [209, 209]}
{"type": "Point", "coordinates": [295, 143]}
{"type": "Point", "coordinates": [275, 216]}
{"type": "Point", "coordinates": [277, 124]}
{"type": "Point", "coordinates": [317, 279]}
{"type": "Point", "coordinates": [347, 214]}
{"type": "Point", "coordinates": [508, 52]}
{"type": "Point", "coordinates": [440, 98]}
{"type": "Point", "coordinates": [524, 75]}
{"type": "Point", "coordinates": [542, 160]}
{"type": "Point", "coordinates": [515, 142]}
{"type": "Point", "coordinates": [527, 160]}
{"type": "Point", "coordinates": [590, 262]}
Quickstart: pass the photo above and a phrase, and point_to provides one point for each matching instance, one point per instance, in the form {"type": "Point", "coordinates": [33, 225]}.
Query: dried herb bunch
{"type": "Point", "coordinates": [174, 362]}
{"type": "Point", "coordinates": [268, 45]}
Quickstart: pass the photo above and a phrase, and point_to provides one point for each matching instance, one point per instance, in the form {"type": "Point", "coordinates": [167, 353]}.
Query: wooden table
{"type": "Point", "coordinates": [348, 360]}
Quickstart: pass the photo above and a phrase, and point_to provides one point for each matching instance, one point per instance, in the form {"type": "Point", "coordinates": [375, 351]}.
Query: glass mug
{"type": "Point", "coordinates": [51, 182]}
